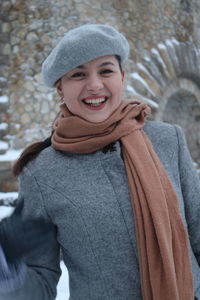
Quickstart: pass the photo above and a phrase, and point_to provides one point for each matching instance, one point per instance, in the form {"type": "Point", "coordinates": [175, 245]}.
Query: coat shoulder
{"type": "Point", "coordinates": [164, 137]}
{"type": "Point", "coordinates": [161, 131]}
{"type": "Point", "coordinates": [48, 161]}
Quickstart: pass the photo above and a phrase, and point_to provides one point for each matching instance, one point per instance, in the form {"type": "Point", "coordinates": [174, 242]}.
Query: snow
{"type": "Point", "coordinates": [142, 67]}
{"type": "Point", "coordinates": [175, 41]}
{"type": "Point", "coordinates": [129, 88]}
{"type": "Point", "coordinates": [140, 97]}
{"type": "Point", "coordinates": [8, 198]}
{"type": "Point", "coordinates": [159, 58]}
{"type": "Point", "coordinates": [3, 99]}
{"type": "Point", "coordinates": [136, 76]}
{"type": "Point", "coordinates": [3, 145]}
{"type": "Point", "coordinates": [161, 46]}
{"type": "Point", "coordinates": [50, 96]}
{"type": "Point", "coordinates": [5, 211]}
{"type": "Point", "coordinates": [10, 155]}
{"type": "Point", "coordinates": [152, 103]}
{"type": "Point", "coordinates": [169, 43]}
{"type": "Point", "coordinates": [3, 126]}
{"type": "Point", "coordinates": [146, 58]}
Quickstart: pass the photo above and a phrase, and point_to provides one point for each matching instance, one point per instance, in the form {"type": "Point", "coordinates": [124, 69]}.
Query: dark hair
{"type": "Point", "coordinates": [119, 62]}
{"type": "Point", "coordinates": [31, 152]}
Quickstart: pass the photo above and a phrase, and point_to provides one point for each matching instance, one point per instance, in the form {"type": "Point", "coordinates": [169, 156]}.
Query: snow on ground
{"type": "Point", "coordinates": [5, 211]}
{"type": "Point", "coordinates": [3, 126]}
{"type": "Point", "coordinates": [10, 155]}
{"type": "Point", "coordinates": [3, 99]}
{"type": "Point", "coordinates": [3, 146]}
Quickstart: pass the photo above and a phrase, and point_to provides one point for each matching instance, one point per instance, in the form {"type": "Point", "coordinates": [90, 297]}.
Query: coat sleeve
{"type": "Point", "coordinates": [190, 185]}
{"type": "Point", "coordinates": [43, 263]}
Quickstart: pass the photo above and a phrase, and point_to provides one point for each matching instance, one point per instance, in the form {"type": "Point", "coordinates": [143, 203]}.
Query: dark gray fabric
{"type": "Point", "coordinates": [87, 197]}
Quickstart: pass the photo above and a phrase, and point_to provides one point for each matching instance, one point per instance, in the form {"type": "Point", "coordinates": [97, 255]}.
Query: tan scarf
{"type": "Point", "coordinates": [165, 267]}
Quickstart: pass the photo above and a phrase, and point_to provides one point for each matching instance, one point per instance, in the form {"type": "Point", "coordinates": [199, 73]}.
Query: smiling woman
{"type": "Point", "coordinates": [116, 193]}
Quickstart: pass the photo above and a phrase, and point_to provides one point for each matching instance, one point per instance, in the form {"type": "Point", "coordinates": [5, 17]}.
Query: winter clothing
{"type": "Point", "coordinates": [81, 45]}
{"type": "Point", "coordinates": [161, 236]}
{"type": "Point", "coordinates": [87, 197]}
{"type": "Point", "coordinates": [19, 236]}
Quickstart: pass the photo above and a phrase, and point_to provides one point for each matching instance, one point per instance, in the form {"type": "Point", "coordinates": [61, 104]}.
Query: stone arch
{"type": "Point", "coordinates": [170, 77]}
{"type": "Point", "coordinates": [178, 85]}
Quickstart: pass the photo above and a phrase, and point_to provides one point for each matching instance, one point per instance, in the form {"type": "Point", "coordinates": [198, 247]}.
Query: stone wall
{"type": "Point", "coordinates": [30, 28]}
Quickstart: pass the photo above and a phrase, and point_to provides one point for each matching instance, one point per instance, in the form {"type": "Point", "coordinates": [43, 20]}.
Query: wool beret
{"type": "Point", "coordinates": [80, 45]}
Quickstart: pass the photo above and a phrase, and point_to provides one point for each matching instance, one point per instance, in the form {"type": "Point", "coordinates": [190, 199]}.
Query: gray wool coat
{"type": "Point", "coordinates": [87, 197]}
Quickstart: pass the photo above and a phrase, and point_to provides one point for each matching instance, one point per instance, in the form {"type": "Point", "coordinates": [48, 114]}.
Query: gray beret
{"type": "Point", "coordinates": [81, 45]}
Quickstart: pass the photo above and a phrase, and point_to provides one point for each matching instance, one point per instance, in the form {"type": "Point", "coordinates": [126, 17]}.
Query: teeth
{"type": "Point", "coordinates": [95, 101]}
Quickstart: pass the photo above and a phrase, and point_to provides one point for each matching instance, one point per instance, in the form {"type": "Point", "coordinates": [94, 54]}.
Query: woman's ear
{"type": "Point", "coordinates": [59, 88]}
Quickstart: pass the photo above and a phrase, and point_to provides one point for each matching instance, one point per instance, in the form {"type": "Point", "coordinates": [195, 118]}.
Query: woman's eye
{"type": "Point", "coordinates": [106, 71]}
{"type": "Point", "coordinates": [78, 75]}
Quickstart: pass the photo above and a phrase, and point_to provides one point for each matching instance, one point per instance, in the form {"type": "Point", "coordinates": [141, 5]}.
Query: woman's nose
{"type": "Point", "coordinates": [94, 84]}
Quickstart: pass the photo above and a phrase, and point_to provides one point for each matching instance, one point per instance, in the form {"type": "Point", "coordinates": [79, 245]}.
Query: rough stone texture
{"type": "Point", "coordinates": [184, 109]}
{"type": "Point", "coordinates": [30, 28]}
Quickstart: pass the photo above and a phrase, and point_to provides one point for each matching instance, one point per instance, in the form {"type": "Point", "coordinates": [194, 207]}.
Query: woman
{"type": "Point", "coordinates": [118, 194]}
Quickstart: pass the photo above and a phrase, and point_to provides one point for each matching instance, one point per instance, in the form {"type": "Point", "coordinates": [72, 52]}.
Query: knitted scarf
{"type": "Point", "coordinates": [164, 262]}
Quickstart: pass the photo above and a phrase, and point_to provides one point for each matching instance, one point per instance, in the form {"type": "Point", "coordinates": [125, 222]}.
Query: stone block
{"type": "Point", "coordinates": [4, 37]}
{"type": "Point", "coordinates": [9, 185]}
{"type": "Point", "coordinates": [3, 131]}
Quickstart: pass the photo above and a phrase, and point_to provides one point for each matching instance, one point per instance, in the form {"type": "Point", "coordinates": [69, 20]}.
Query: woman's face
{"type": "Point", "coordinates": [93, 90]}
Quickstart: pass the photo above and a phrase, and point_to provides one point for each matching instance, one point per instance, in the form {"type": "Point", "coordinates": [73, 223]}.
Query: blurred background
{"type": "Point", "coordinates": [163, 69]}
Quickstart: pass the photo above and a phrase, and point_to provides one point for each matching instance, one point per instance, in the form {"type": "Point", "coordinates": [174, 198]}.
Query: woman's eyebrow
{"type": "Point", "coordinates": [106, 63]}
{"type": "Point", "coordinates": [80, 67]}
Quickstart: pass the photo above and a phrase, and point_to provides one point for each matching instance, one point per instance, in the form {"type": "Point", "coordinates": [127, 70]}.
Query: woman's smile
{"type": "Point", "coordinates": [95, 103]}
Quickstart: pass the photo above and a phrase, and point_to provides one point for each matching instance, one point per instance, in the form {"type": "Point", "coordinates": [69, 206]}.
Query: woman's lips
{"type": "Point", "coordinates": [96, 103]}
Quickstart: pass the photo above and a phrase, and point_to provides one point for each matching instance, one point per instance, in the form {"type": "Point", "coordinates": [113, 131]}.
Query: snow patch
{"type": "Point", "coordinates": [3, 126]}
{"type": "Point", "coordinates": [129, 88]}
{"type": "Point", "coordinates": [3, 146]}
{"type": "Point", "coordinates": [146, 58]}
{"type": "Point", "coordinates": [161, 46]}
{"type": "Point", "coordinates": [157, 54]}
{"type": "Point", "coordinates": [136, 76]}
{"type": "Point", "coordinates": [5, 211]}
{"type": "Point", "coordinates": [4, 99]}
{"type": "Point", "coordinates": [142, 68]}
{"type": "Point", "coordinates": [10, 155]}
{"type": "Point", "coordinates": [8, 198]}
{"type": "Point", "coordinates": [169, 43]}
{"type": "Point", "coordinates": [50, 96]}
{"type": "Point", "coordinates": [151, 103]}
{"type": "Point", "coordinates": [175, 41]}
{"type": "Point", "coordinates": [142, 98]}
